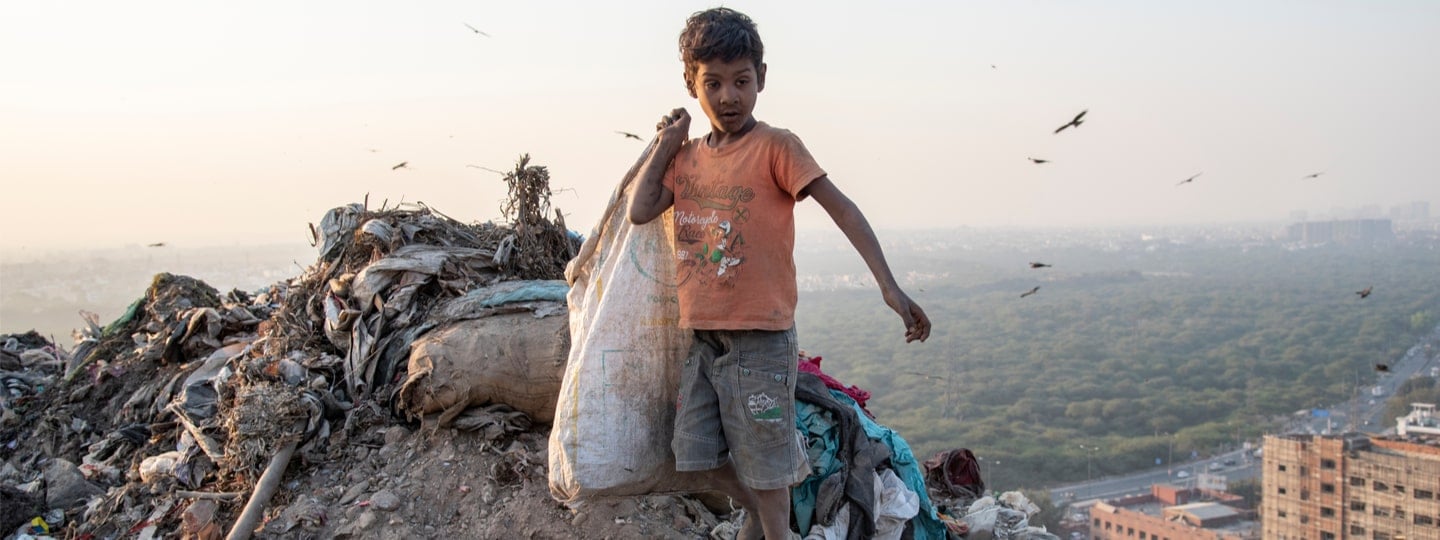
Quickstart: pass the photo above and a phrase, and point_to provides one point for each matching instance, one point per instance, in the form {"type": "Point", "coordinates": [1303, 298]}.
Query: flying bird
{"type": "Point", "coordinates": [1038, 161]}
{"type": "Point", "coordinates": [1039, 265]}
{"type": "Point", "coordinates": [1365, 293]}
{"type": "Point", "coordinates": [1382, 368]}
{"type": "Point", "coordinates": [1190, 179]}
{"type": "Point", "coordinates": [156, 244]}
{"type": "Point", "coordinates": [629, 135]}
{"type": "Point", "coordinates": [1312, 175]}
{"type": "Point", "coordinates": [402, 164]}
{"type": "Point", "coordinates": [1075, 122]}
{"type": "Point", "coordinates": [476, 30]}
{"type": "Point", "coordinates": [1030, 292]}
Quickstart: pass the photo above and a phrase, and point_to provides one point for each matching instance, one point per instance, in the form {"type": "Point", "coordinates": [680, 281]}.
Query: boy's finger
{"type": "Point", "coordinates": [912, 328]}
{"type": "Point", "coordinates": [922, 323]}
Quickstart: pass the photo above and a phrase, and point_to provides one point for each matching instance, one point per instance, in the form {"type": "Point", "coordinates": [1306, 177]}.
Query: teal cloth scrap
{"type": "Point", "coordinates": [553, 290]}
{"type": "Point", "coordinates": [823, 439]}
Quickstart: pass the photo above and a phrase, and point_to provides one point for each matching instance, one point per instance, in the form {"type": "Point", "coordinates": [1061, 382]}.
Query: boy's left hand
{"type": "Point", "coordinates": [917, 325]}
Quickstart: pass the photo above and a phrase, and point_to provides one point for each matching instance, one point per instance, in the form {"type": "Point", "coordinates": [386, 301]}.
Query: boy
{"type": "Point", "coordinates": [734, 192]}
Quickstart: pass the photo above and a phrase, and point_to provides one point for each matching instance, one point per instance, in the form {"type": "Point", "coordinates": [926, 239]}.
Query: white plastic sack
{"type": "Point", "coordinates": [155, 467]}
{"type": "Point", "coordinates": [615, 415]}
{"type": "Point", "coordinates": [895, 505]}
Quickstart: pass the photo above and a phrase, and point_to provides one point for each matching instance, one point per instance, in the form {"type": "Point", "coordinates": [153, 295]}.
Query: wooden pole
{"type": "Point", "coordinates": [264, 489]}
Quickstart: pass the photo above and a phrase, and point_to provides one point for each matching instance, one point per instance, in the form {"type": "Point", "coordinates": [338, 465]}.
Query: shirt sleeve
{"type": "Point", "coordinates": [792, 166]}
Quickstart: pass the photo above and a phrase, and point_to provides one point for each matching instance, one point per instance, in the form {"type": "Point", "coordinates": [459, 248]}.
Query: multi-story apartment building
{"type": "Point", "coordinates": [1351, 486]}
{"type": "Point", "coordinates": [1343, 231]}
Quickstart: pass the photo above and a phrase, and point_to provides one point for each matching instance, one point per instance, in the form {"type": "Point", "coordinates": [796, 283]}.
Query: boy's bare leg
{"type": "Point", "coordinates": [757, 505]}
{"type": "Point", "coordinates": [774, 512]}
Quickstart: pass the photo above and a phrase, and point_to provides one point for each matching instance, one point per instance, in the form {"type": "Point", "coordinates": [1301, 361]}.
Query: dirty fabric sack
{"type": "Point", "coordinates": [955, 473]}
{"type": "Point", "coordinates": [615, 416]}
{"type": "Point", "coordinates": [510, 358]}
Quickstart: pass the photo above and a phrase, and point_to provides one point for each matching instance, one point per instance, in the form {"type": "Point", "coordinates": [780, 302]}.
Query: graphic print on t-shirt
{"type": "Point", "coordinates": [710, 245]}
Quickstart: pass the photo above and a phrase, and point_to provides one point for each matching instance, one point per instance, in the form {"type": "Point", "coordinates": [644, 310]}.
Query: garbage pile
{"type": "Point", "coordinates": [1006, 516]}
{"type": "Point", "coordinates": [183, 414]}
{"type": "Point", "coordinates": [397, 388]}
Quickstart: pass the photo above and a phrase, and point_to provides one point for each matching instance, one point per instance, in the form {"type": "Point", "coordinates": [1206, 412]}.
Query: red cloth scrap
{"type": "Point", "coordinates": [811, 364]}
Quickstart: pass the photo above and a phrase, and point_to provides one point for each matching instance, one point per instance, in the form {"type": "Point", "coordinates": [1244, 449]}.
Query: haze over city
{"type": "Point", "coordinates": [204, 124]}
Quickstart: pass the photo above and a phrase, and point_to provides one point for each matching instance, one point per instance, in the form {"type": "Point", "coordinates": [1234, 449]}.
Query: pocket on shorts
{"type": "Point", "coordinates": [766, 399]}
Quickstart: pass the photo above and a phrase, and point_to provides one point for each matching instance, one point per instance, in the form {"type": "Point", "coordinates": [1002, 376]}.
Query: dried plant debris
{"type": "Point", "coordinates": [540, 247]}
{"type": "Point", "coordinates": [263, 417]}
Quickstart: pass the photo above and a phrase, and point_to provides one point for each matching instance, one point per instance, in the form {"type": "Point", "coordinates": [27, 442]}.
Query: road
{"type": "Point", "coordinates": [1183, 474]}
{"type": "Point", "coordinates": [1367, 406]}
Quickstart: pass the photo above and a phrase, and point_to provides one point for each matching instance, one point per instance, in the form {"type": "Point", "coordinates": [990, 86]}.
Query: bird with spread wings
{"type": "Point", "coordinates": [1074, 122]}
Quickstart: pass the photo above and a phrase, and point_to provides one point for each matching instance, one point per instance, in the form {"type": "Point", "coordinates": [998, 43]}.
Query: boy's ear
{"type": "Point", "coordinates": [690, 86]}
{"type": "Point", "coordinates": [759, 77]}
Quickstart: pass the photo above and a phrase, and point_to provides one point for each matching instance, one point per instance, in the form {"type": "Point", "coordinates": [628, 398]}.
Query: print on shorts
{"type": "Point", "coordinates": [764, 408]}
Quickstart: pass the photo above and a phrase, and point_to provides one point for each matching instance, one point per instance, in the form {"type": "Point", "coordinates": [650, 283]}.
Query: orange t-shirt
{"type": "Point", "coordinates": [735, 229]}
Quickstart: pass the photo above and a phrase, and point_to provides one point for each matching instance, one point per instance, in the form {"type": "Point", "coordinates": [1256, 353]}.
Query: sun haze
{"type": "Point", "coordinates": [204, 123]}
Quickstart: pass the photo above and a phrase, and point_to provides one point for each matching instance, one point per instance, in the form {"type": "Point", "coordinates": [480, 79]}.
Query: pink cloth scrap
{"type": "Point", "coordinates": [811, 364]}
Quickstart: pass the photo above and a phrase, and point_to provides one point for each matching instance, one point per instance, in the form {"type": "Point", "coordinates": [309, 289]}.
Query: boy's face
{"type": "Point", "coordinates": [727, 92]}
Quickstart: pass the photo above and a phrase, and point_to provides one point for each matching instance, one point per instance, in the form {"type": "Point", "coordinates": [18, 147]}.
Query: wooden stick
{"type": "Point", "coordinates": [223, 496]}
{"type": "Point", "coordinates": [269, 482]}
{"type": "Point", "coordinates": [208, 445]}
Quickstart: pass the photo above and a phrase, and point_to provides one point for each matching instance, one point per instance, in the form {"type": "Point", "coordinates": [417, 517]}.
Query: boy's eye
{"type": "Point", "coordinates": [742, 82]}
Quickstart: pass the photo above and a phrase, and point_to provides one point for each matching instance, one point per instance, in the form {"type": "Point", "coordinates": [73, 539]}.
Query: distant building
{"type": "Point", "coordinates": [1342, 231]}
{"type": "Point", "coordinates": [1421, 421]}
{"type": "Point", "coordinates": [1412, 211]}
{"type": "Point", "coordinates": [1350, 486]}
{"type": "Point", "coordinates": [1420, 210]}
{"type": "Point", "coordinates": [1174, 513]}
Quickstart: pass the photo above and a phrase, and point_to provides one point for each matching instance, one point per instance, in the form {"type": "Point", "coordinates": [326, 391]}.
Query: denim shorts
{"type": "Point", "coordinates": [737, 403]}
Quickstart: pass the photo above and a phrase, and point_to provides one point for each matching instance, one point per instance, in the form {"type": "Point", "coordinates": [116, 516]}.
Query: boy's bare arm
{"type": "Point", "coordinates": [650, 197]}
{"type": "Point", "coordinates": [847, 216]}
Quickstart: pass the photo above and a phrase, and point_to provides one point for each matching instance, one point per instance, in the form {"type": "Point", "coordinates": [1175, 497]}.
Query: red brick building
{"type": "Point", "coordinates": [1173, 513]}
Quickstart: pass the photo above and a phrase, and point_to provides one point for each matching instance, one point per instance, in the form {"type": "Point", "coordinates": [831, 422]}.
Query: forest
{"type": "Point", "coordinates": [1131, 352]}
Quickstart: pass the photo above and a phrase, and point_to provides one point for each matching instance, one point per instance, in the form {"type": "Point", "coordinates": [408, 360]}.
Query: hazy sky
{"type": "Point", "coordinates": [203, 122]}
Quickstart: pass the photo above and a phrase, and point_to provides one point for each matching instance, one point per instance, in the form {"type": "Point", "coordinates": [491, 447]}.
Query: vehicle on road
{"type": "Point", "coordinates": [1182, 474]}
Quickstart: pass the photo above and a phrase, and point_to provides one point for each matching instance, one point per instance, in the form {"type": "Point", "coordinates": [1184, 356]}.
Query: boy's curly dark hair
{"type": "Point", "coordinates": [718, 34]}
